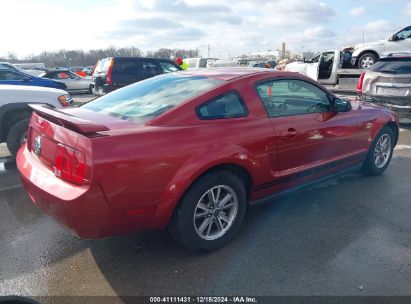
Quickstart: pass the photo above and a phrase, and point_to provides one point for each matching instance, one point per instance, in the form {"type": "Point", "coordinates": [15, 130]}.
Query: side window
{"type": "Point", "coordinates": [316, 58]}
{"type": "Point", "coordinates": [10, 75]}
{"type": "Point", "coordinates": [124, 68]}
{"type": "Point", "coordinates": [405, 33]}
{"type": "Point", "coordinates": [228, 105]}
{"type": "Point", "coordinates": [167, 67]}
{"type": "Point", "coordinates": [61, 75]}
{"type": "Point", "coordinates": [288, 97]}
{"type": "Point", "coordinates": [149, 68]}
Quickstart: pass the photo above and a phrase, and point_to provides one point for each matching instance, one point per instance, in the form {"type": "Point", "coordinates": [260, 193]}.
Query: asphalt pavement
{"type": "Point", "coordinates": [347, 236]}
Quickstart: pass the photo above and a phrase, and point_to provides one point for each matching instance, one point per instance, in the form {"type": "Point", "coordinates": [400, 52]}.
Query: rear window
{"type": "Point", "coordinates": [393, 66]}
{"type": "Point", "coordinates": [147, 99]}
{"type": "Point", "coordinates": [102, 65]}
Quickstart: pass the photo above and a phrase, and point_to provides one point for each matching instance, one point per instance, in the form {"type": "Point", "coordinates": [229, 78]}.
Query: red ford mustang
{"type": "Point", "coordinates": [191, 150]}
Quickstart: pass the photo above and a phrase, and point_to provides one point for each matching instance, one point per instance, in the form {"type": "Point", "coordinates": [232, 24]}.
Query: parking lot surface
{"type": "Point", "coordinates": [348, 236]}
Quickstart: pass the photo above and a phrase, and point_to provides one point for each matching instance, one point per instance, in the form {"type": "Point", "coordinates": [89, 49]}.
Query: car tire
{"type": "Point", "coordinates": [91, 89]}
{"type": "Point", "coordinates": [367, 60]}
{"type": "Point", "coordinates": [199, 223]}
{"type": "Point", "coordinates": [380, 154]}
{"type": "Point", "coordinates": [17, 135]}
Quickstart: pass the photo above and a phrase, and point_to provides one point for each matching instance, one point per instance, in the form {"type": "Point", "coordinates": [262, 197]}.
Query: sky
{"type": "Point", "coordinates": [229, 27]}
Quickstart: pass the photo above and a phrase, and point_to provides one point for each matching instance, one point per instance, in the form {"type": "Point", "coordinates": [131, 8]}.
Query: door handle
{"type": "Point", "coordinates": [290, 133]}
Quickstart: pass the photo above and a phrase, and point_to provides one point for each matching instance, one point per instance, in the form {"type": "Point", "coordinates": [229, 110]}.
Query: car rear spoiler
{"type": "Point", "coordinates": [69, 121]}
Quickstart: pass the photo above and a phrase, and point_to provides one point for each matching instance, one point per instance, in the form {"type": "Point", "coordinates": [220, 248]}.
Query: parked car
{"type": "Point", "coordinates": [88, 70]}
{"type": "Point", "coordinates": [73, 82]}
{"type": "Point", "coordinates": [13, 77]}
{"type": "Point", "coordinates": [365, 55]}
{"type": "Point", "coordinates": [116, 72]}
{"type": "Point", "coordinates": [191, 150]}
{"type": "Point", "coordinates": [328, 68]}
{"type": "Point", "coordinates": [15, 112]}
{"type": "Point", "coordinates": [199, 63]}
{"type": "Point", "coordinates": [266, 64]}
{"type": "Point", "coordinates": [7, 65]}
{"type": "Point", "coordinates": [33, 71]}
{"type": "Point", "coordinates": [78, 70]}
{"type": "Point", "coordinates": [388, 83]}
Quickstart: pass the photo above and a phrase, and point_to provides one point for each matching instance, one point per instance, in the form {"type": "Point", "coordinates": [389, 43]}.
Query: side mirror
{"type": "Point", "coordinates": [341, 105]}
{"type": "Point", "coordinates": [393, 38]}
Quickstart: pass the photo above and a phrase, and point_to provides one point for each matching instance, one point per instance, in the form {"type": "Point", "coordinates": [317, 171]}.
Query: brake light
{"type": "Point", "coordinates": [360, 83]}
{"type": "Point", "coordinates": [109, 78]}
{"type": "Point", "coordinates": [65, 100]}
{"type": "Point", "coordinates": [70, 164]}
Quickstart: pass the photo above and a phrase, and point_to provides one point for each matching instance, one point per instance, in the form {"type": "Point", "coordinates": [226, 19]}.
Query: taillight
{"type": "Point", "coordinates": [109, 78]}
{"type": "Point", "coordinates": [65, 100]}
{"type": "Point", "coordinates": [360, 83]}
{"type": "Point", "coordinates": [70, 164]}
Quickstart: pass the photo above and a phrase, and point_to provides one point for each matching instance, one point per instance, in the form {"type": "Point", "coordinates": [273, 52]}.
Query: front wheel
{"type": "Point", "coordinates": [17, 136]}
{"type": "Point", "coordinates": [211, 212]}
{"type": "Point", "coordinates": [380, 153]}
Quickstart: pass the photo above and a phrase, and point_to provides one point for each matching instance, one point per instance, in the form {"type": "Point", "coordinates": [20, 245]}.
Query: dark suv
{"type": "Point", "coordinates": [115, 72]}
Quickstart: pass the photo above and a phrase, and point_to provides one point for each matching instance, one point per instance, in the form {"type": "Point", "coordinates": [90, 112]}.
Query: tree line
{"type": "Point", "coordinates": [65, 58]}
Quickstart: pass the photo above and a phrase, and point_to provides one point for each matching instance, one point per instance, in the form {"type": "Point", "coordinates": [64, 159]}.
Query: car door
{"type": "Point", "coordinates": [313, 66]}
{"type": "Point", "coordinates": [311, 138]}
{"type": "Point", "coordinates": [327, 72]}
{"type": "Point", "coordinates": [75, 82]}
{"type": "Point", "coordinates": [399, 42]}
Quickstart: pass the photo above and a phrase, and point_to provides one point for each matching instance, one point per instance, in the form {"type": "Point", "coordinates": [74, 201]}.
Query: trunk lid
{"type": "Point", "coordinates": [55, 134]}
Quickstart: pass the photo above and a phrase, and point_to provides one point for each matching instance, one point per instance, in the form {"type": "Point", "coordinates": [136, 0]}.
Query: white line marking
{"type": "Point", "coordinates": [402, 147]}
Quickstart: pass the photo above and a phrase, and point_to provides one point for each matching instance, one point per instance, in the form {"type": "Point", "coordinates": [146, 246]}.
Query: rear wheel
{"type": "Point", "coordinates": [17, 136]}
{"type": "Point", "coordinates": [380, 153]}
{"type": "Point", "coordinates": [367, 60]}
{"type": "Point", "coordinates": [211, 212]}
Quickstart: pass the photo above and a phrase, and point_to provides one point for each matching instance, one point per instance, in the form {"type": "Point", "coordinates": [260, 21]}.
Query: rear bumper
{"type": "Point", "coordinates": [82, 210]}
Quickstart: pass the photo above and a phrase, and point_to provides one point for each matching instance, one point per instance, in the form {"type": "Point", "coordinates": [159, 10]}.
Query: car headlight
{"type": "Point", "coordinates": [65, 100]}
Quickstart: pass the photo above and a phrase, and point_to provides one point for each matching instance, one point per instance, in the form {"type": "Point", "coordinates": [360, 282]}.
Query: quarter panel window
{"type": "Point", "coordinates": [288, 97]}
{"type": "Point", "coordinates": [228, 105]}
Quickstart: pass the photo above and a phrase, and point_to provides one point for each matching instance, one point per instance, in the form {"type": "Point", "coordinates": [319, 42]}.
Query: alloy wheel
{"type": "Point", "coordinates": [382, 151]}
{"type": "Point", "coordinates": [215, 212]}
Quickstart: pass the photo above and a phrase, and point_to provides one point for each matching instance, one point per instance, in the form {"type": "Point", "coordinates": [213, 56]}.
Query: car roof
{"type": "Point", "coordinates": [20, 88]}
{"type": "Point", "coordinates": [58, 70]}
{"type": "Point", "coordinates": [228, 74]}
{"type": "Point", "coordinates": [135, 58]}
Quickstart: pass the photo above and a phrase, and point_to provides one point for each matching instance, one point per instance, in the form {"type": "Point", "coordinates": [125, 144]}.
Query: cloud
{"type": "Point", "coordinates": [378, 26]}
{"type": "Point", "coordinates": [358, 11]}
{"type": "Point", "coordinates": [182, 10]}
{"type": "Point", "coordinates": [408, 8]}
{"type": "Point", "coordinates": [319, 32]}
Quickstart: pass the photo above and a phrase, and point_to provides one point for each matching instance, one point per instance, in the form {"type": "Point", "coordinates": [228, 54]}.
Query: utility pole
{"type": "Point", "coordinates": [208, 51]}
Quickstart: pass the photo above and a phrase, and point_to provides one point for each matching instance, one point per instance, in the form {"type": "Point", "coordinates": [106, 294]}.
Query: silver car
{"type": "Point", "coordinates": [74, 82]}
{"type": "Point", "coordinates": [388, 83]}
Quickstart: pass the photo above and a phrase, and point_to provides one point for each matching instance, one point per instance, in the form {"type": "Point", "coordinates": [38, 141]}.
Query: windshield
{"type": "Point", "coordinates": [149, 98]}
